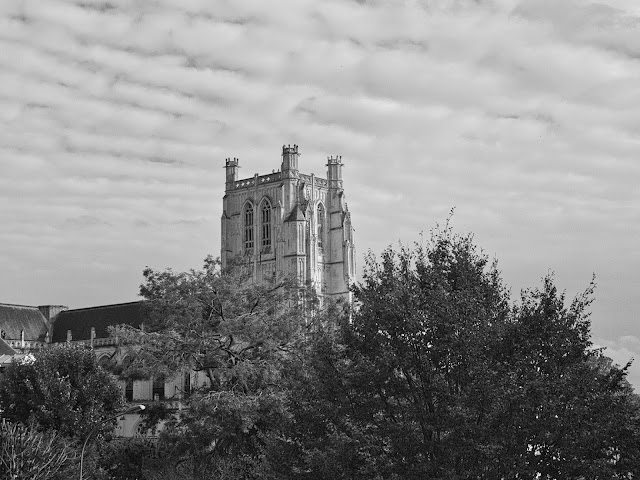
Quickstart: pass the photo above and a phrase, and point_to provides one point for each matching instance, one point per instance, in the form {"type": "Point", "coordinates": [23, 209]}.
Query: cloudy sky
{"type": "Point", "coordinates": [116, 117]}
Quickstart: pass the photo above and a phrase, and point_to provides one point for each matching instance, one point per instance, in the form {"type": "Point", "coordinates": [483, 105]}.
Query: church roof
{"type": "Point", "coordinates": [296, 214]}
{"type": "Point", "coordinates": [17, 318]}
{"type": "Point", "coordinates": [80, 320]}
{"type": "Point", "coordinates": [5, 349]}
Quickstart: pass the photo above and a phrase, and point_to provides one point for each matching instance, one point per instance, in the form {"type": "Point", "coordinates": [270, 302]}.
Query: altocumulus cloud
{"type": "Point", "coordinates": [116, 116]}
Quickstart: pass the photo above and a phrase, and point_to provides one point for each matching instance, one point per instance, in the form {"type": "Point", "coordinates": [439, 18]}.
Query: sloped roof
{"type": "Point", "coordinates": [5, 349]}
{"type": "Point", "coordinates": [296, 214]}
{"type": "Point", "coordinates": [80, 320]}
{"type": "Point", "coordinates": [17, 318]}
{"type": "Point", "coordinates": [6, 360]}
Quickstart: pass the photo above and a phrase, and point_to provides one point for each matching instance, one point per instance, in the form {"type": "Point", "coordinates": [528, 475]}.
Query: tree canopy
{"type": "Point", "coordinates": [434, 373]}
{"type": "Point", "coordinates": [62, 389]}
{"type": "Point", "coordinates": [238, 335]}
{"type": "Point", "coordinates": [439, 375]}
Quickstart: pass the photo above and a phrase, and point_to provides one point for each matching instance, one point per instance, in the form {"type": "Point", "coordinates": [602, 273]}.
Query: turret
{"type": "Point", "coordinates": [290, 158]}
{"type": "Point", "coordinates": [231, 166]}
{"type": "Point", "coordinates": [334, 171]}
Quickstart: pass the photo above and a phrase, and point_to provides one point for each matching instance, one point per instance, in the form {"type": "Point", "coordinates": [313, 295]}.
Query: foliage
{"type": "Point", "coordinates": [434, 374]}
{"type": "Point", "coordinates": [26, 454]}
{"type": "Point", "coordinates": [567, 411]}
{"type": "Point", "coordinates": [63, 389]}
{"type": "Point", "coordinates": [237, 335]}
{"type": "Point", "coordinates": [437, 376]}
{"type": "Point", "coordinates": [127, 459]}
{"type": "Point", "coordinates": [153, 415]}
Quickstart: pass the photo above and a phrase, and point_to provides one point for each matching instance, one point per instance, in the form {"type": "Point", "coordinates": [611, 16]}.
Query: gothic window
{"type": "Point", "coordinates": [266, 225]}
{"type": "Point", "coordinates": [320, 231]}
{"type": "Point", "coordinates": [248, 228]}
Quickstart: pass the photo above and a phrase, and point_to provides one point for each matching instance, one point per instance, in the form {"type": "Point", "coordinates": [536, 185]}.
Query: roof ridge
{"type": "Point", "coordinates": [101, 306]}
{"type": "Point", "coordinates": [18, 305]}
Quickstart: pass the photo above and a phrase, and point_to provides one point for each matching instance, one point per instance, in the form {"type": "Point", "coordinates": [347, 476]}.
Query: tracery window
{"type": "Point", "coordinates": [320, 230]}
{"type": "Point", "coordinates": [266, 224]}
{"type": "Point", "coordinates": [248, 228]}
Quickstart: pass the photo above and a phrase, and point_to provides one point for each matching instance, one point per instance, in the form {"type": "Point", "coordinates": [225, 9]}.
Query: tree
{"type": "Point", "coordinates": [238, 334]}
{"type": "Point", "coordinates": [567, 411]}
{"type": "Point", "coordinates": [26, 454]}
{"type": "Point", "coordinates": [61, 389]}
{"type": "Point", "coordinates": [439, 376]}
{"type": "Point", "coordinates": [403, 389]}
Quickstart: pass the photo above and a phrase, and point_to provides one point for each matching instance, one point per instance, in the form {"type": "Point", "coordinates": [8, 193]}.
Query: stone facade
{"type": "Point", "coordinates": [289, 224]}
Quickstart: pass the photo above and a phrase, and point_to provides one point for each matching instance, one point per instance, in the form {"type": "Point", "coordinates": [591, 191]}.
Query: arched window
{"type": "Point", "coordinates": [104, 362]}
{"type": "Point", "coordinates": [266, 225]}
{"type": "Point", "coordinates": [248, 228]}
{"type": "Point", "coordinates": [320, 230]}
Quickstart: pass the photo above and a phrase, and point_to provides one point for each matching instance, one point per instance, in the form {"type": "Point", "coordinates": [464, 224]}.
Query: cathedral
{"type": "Point", "coordinates": [290, 224]}
{"type": "Point", "coordinates": [285, 223]}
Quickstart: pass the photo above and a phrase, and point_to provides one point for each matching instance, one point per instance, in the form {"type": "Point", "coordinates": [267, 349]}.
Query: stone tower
{"type": "Point", "coordinates": [290, 224]}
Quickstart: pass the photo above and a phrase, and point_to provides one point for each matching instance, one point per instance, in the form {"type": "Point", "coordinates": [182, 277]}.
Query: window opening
{"type": "Point", "coordinates": [248, 228]}
{"type": "Point", "coordinates": [128, 390]}
{"type": "Point", "coordinates": [158, 388]}
{"type": "Point", "coordinates": [320, 232]}
{"type": "Point", "coordinates": [187, 383]}
{"type": "Point", "coordinates": [128, 387]}
{"type": "Point", "coordinates": [266, 225]}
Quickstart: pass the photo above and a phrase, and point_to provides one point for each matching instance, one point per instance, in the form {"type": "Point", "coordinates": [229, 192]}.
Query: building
{"type": "Point", "coordinates": [287, 223]}
{"type": "Point", "coordinates": [26, 329]}
{"type": "Point", "coordinates": [7, 354]}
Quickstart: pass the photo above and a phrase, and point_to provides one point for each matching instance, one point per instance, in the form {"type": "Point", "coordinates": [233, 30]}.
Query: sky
{"type": "Point", "coordinates": [523, 116]}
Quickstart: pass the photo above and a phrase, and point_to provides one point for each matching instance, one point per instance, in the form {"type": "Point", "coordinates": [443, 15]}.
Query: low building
{"type": "Point", "coordinates": [7, 354]}
{"type": "Point", "coordinates": [26, 329]}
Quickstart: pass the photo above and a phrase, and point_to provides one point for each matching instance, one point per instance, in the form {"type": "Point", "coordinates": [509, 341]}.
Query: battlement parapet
{"type": "Point", "coordinates": [289, 149]}
{"type": "Point", "coordinates": [276, 177]}
{"type": "Point", "coordinates": [320, 182]}
{"type": "Point", "coordinates": [26, 344]}
{"type": "Point", "coordinates": [261, 179]}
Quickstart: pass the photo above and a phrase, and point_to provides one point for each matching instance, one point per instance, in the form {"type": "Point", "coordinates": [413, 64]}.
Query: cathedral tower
{"type": "Point", "coordinates": [290, 224]}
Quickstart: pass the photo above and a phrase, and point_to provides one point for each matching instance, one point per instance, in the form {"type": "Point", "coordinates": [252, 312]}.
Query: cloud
{"type": "Point", "coordinates": [623, 350]}
{"type": "Point", "coordinates": [521, 114]}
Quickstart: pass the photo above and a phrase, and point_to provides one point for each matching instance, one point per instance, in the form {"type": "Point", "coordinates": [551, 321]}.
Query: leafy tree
{"type": "Point", "coordinates": [408, 388]}
{"type": "Point", "coordinates": [62, 389]}
{"type": "Point", "coordinates": [26, 454]}
{"type": "Point", "coordinates": [126, 459]}
{"type": "Point", "coordinates": [237, 334]}
{"type": "Point", "coordinates": [567, 411]}
{"type": "Point", "coordinates": [437, 376]}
